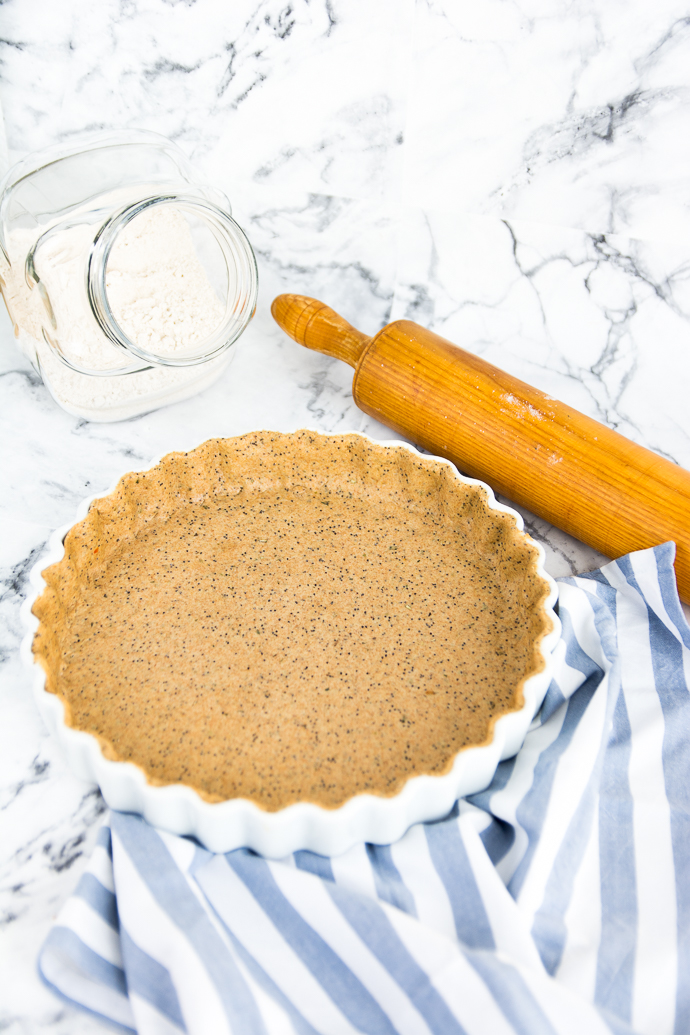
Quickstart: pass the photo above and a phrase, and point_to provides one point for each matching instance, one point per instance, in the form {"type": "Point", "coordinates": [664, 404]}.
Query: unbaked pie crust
{"type": "Point", "coordinates": [292, 617]}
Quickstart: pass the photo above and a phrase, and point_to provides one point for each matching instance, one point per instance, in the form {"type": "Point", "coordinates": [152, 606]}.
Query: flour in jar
{"type": "Point", "coordinates": [157, 287]}
{"type": "Point", "coordinates": [159, 295]}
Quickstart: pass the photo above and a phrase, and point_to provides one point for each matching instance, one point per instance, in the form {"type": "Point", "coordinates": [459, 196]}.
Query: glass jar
{"type": "Point", "coordinates": [125, 276]}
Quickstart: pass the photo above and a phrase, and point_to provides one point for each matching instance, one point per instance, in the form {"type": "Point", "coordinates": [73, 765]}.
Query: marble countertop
{"type": "Point", "coordinates": [512, 175]}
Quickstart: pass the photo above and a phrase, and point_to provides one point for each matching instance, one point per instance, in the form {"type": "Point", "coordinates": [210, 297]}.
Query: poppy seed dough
{"type": "Point", "coordinates": [291, 618]}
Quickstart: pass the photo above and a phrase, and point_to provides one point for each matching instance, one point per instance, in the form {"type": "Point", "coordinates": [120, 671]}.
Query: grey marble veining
{"type": "Point", "coordinates": [593, 137]}
{"type": "Point", "coordinates": [598, 320]}
{"type": "Point", "coordinates": [289, 94]}
{"type": "Point", "coordinates": [513, 175]}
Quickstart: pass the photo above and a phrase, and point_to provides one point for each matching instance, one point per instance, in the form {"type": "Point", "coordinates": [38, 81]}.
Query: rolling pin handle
{"type": "Point", "coordinates": [313, 324]}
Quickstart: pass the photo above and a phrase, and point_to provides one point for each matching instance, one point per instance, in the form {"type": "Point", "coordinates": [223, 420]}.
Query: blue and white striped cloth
{"type": "Point", "coordinates": [557, 902]}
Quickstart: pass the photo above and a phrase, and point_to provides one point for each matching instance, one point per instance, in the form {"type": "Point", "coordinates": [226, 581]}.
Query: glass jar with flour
{"type": "Point", "coordinates": [125, 276]}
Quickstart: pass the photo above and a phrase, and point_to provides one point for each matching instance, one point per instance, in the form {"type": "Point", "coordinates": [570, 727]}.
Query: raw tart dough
{"type": "Point", "coordinates": [291, 618]}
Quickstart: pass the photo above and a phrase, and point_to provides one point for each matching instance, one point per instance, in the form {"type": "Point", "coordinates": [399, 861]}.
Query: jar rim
{"type": "Point", "coordinates": [237, 252]}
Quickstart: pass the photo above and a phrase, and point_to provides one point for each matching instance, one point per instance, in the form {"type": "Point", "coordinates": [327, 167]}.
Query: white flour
{"type": "Point", "coordinates": [159, 294]}
{"type": "Point", "coordinates": [158, 289]}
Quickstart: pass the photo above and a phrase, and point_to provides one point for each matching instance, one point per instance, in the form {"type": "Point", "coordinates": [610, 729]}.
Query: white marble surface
{"type": "Point", "coordinates": [512, 174]}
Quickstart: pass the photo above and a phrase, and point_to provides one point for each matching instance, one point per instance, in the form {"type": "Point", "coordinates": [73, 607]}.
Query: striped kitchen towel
{"type": "Point", "coordinates": [556, 901]}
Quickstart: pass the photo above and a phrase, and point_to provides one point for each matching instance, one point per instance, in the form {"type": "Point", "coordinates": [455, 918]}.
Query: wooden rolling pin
{"type": "Point", "coordinates": [569, 469]}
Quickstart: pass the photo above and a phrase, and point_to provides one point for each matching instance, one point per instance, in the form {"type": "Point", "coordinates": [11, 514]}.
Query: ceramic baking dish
{"type": "Point", "coordinates": [223, 826]}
